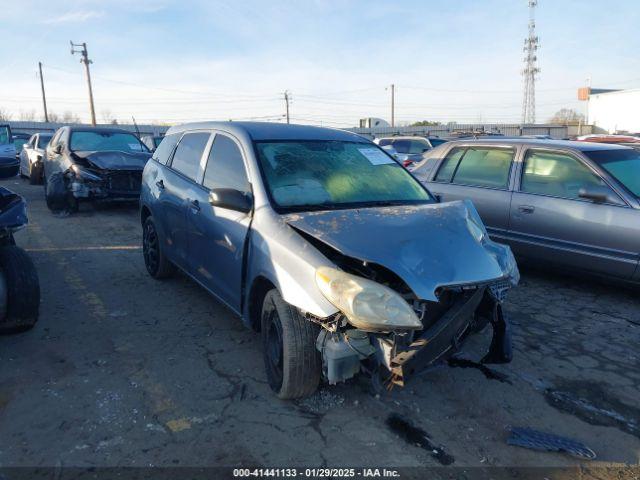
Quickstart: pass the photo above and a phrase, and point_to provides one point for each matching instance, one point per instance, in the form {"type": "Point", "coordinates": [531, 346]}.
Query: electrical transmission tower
{"type": "Point", "coordinates": [531, 44]}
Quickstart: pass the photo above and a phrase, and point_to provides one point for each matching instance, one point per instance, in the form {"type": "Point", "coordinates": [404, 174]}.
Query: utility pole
{"type": "Point", "coordinates": [531, 70]}
{"type": "Point", "coordinates": [286, 102]}
{"type": "Point", "coordinates": [393, 105]}
{"type": "Point", "coordinates": [85, 59]}
{"type": "Point", "coordinates": [44, 98]}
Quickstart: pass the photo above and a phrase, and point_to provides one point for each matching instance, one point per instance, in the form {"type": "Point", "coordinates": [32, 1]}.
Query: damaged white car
{"type": "Point", "coordinates": [324, 243]}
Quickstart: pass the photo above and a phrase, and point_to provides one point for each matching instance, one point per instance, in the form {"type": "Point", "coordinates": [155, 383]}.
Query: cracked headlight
{"type": "Point", "coordinates": [84, 174]}
{"type": "Point", "coordinates": [366, 304]}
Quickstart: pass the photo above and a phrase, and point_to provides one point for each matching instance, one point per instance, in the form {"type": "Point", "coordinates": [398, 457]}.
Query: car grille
{"type": "Point", "coordinates": [124, 182]}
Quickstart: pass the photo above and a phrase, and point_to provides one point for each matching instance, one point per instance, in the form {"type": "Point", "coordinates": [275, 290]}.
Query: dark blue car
{"type": "Point", "coordinates": [9, 164]}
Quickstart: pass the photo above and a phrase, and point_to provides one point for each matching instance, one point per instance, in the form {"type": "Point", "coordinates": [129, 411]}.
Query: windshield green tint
{"type": "Point", "coordinates": [324, 174]}
{"type": "Point", "coordinates": [624, 165]}
{"type": "Point", "coordinates": [5, 137]}
{"type": "Point", "coordinates": [91, 141]}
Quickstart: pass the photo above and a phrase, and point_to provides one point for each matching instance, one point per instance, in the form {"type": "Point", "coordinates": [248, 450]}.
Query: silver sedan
{"type": "Point", "coordinates": [571, 205]}
{"type": "Point", "coordinates": [31, 157]}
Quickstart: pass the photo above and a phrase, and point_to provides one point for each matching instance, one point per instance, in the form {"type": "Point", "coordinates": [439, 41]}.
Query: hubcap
{"type": "Point", "coordinates": [274, 351]}
{"type": "Point", "coordinates": [150, 248]}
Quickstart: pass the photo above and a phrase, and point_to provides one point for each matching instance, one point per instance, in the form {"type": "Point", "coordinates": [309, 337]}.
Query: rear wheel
{"type": "Point", "coordinates": [158, 265]}
{"type": "Point", "coordinates": [292, 362]}
{"type": "Point", "coordinates": [19, 290]}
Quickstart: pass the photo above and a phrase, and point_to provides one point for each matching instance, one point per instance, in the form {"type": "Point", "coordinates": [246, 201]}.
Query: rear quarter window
{"type": "Point", "coordinates": [165, 149]}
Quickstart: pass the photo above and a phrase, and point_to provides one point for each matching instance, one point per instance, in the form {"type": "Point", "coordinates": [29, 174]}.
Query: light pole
{"type": "Point", "coordinates": [85, 59]}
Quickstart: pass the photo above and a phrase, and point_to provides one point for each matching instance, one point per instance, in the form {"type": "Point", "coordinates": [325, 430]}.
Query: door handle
{"type": "Point", "coordinates": [194, 205]}
{"type": "Point", "coordinates": [526, 209]}
{"type": "Point", "coordinates": [160, 184]}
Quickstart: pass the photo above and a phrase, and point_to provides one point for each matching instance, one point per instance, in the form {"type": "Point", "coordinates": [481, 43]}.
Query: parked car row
{"type": "Point", "coordinates": [289, 227]}
{"type": "Point", "coordinates": [409, 149]}
{"type": "Point", "coordinates": [344, 260]}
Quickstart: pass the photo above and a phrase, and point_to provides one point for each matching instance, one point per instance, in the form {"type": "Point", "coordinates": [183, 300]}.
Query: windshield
{"type": "Point", "coordinates": [308, 175]}
{"type": "Point", "coordinates": [101, 141]}
{"type": "Point", "coordinates": [624, 165]}
{"type": "Point", "coordinates": [44, 140]}
{"type": "Point", "coordinates": [5, 135]}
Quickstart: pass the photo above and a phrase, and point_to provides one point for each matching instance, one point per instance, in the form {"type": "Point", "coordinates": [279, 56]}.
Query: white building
{"type": "Point", "coordinates": [615, 110]}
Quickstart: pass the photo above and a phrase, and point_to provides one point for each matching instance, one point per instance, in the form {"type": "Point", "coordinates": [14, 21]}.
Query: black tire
{"type": "Point", "coordinates": [292, 362]}
{"type": "Point", "coordinates": [55, 192]}
{"type": "Point", "coordinates": [22, 290]}
{"type": "Point", "coordinates": [158, 265]}
{"type": "Point", "coordinates": [35, 175]}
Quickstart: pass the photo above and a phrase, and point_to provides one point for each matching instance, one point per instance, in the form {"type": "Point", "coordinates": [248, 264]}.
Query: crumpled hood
{"type": "Point", "coordinates": [428, 246]}
{"type": "Point", "coordinates": [114, 160]}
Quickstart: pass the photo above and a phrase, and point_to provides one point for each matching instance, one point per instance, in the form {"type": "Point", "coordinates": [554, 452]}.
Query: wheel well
{"type": "Point", "coordinates": [259, 289]}
{"type": "Point", "coordinates": [144, 214]}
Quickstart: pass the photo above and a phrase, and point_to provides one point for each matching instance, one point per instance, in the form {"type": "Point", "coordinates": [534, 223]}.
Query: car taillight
{"type": "Point", "coordinates": [406, 163]}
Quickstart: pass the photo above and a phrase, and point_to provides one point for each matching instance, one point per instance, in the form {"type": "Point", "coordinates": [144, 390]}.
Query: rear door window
{"type": "Point", "coordinates": [165, 149]}
{"type": "Point", "coordinates": [186, 159]}
{"type": "Point", "coordinates": [484, 167]}
{"type": "Point", "coordinates": [225, 167]}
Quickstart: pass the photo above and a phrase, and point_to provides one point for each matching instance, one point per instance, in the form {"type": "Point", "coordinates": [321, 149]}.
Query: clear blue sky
{"type": "Point", "coordinates": [175, 61]}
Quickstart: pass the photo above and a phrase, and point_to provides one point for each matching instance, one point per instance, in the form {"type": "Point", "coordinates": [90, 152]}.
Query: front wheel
{"type": "Point", "coordinates": [35, 174]}
{"type": "Point", "coordinates": [292, 362]}
{"type": "Point", "coordinates": [19, 290]}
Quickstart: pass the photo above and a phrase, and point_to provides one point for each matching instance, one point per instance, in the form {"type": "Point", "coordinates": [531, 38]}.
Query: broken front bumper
{"type": "Point", "coordinates": [112, 185]}
{"type": "Point", "coordinates": [444, 337]}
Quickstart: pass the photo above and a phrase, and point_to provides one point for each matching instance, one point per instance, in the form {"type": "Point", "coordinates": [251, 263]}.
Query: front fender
{"type": "Point", "coordinates": [280, 255]}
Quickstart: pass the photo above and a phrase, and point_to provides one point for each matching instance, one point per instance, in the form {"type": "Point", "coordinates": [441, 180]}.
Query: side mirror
{"type": "Point", "coordinates": [57, 149]}
{"type": "Point", "coordinates": [596, 193]}
{"type": "Point", "coordinates": [231, 199]}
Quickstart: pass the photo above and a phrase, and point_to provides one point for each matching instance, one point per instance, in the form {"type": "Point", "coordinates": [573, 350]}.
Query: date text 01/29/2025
{"type": "Point", "coordinates": [316, 472]}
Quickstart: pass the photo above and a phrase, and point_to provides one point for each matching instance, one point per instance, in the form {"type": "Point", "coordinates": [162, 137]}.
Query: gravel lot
{"type": "Point", "coordinates": [125, 370]}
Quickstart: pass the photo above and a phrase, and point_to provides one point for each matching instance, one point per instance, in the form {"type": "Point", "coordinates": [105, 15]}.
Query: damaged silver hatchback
{"type": "Point", "coordinates": [323, 242]}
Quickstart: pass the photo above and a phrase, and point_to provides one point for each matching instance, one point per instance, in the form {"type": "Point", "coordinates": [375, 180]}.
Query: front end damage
{"type": "Point", "coordinates": [104, 175]}
{"type": "Point", "coordinates": [393, 356]}
{"type": "Point", "coordinates": [103, 184]}
{"type": "Point", "coordinates": [445, 282]}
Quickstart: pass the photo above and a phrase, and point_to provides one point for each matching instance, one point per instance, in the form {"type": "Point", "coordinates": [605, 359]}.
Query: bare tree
{"type": "Point", "coordinates": [54, 117]}
{"type": "Point", "coordinates": [4, 115]}
{"type": "Point", "coordinates": [567, 116]}
{"type": "Point", "coordinates": [107, 117]}
{"type": "Point", "coordinates": [69, 117]}
{"type": "Point", "coordinates": [28, 116]}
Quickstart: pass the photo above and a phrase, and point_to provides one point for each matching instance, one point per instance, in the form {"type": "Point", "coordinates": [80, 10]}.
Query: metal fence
{"type": "Point", "coordinates": [555, 131]}
{"type": "Point", "coordinates": [515, 130]}
{"type": "Point", "coordinates": [34, 127]}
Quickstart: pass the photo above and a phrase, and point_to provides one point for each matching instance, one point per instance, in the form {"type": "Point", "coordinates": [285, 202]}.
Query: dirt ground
{"type": "Point", "coordinates": [123, 370]}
